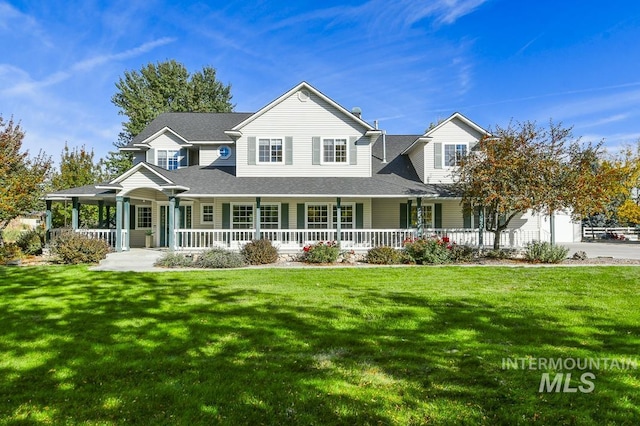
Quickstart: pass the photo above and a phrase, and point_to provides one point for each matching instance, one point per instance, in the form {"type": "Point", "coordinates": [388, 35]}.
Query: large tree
{"type": "Point", "coordinates": [21, 177]}
{"type": "Point", "coordinates": [77, 168]}
{"type": "Point", "coordinates": [163, 87]}
{"type": "Point", "coordinates": [528, 167]}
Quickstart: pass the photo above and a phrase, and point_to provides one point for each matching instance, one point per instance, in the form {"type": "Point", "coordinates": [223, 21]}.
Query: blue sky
{"type": "Point", "coordinates": [405, 63]}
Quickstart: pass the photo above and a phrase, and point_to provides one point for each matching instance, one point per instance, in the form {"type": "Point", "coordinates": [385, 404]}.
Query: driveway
{"type": "Point", "coordinates": [617, 250]}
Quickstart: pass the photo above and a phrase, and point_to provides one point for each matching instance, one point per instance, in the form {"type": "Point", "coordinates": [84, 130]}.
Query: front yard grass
{"type": "Point", "coordinates": [349, 346]}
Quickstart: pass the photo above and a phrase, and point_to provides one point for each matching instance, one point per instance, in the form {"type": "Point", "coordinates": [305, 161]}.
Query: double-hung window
{"type": "Point", "coordinates": [143, 217]}
{"type": "Point", "coordinates": [207, 213]}
{"type": "Point", "coordinates": [242, 216]}
{"type": "Point", "coordinates": [269, 216]}
{"type": "Point", "coordinates": [334, 150]}
{"type": "Point", "coordinates": [346, 216]}
{"type": "Point", "coordinates": [317, 216]}
{"type": "Point", "coordinates": [428, 218]}
{"type": "Point", "coordinates": [169, 158]}
{"type": "Point", "coordinates": [454, 153]}
{"type": "Point", "coordinates": [270, 150]}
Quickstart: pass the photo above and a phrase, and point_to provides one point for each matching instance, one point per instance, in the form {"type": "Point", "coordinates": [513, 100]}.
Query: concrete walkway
{"type": "Point", "coordinates": [136, 260]}
{"type": "Point", "coordinates": [142, 260]}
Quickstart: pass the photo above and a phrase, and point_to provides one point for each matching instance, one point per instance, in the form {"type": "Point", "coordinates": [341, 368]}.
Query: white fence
{"type": "Point", "coordinates": [619, 233]}
{"type": "Point", "coordinates": [108, 235]}
{"type": "Point", "coordinates": [350, 239]}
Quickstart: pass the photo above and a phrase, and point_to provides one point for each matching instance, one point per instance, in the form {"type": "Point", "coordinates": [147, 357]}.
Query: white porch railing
{"type": "Point", "coordinates": [350, 239]}
{"type": "Point", "coordinates": [108, 235]}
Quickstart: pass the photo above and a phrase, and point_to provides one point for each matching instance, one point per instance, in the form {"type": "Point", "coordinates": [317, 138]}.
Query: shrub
{"type": "Point", "coordinates": [321, 252]}
{"type": "Point", "coordinates": [31, 241]}
{"type": "Point", "coordinates": [498, 254]}
{"type": "Point", "coordinates": [544, 252]}
{"type": "Point", "coordinates": [433, 250]}
{"type": "Point", "coordinates": [174, 260]}
{"type": "Point", "coordinates": [74, 248]}
{"type": "Point", "coordinates": [384, 255]}
{"type": "Point", "coordinates": [260, 252]}
{"type": "Point", "coordinates": [219, 258]}
{"type": "Point", "coordinates": [461, 254]}
{"type": "Point", "coordinates": [10, 252]}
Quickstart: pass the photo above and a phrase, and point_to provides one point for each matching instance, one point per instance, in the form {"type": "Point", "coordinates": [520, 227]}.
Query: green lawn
{"type": "Point", "coordinates": [322, 346]}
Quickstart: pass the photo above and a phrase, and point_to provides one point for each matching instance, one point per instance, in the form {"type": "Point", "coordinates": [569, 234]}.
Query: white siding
{"type": "Point", "coordinates": [166, 140]}
{"type": "Point", "coordinates": [452, 132]}
{"type": "Point", "coordinates": [302, 121]}
{"type": "Point", "coordinates": [210, 156]}
{"type": "Point", "coordinates": [417, 159]}
{"type": "Point", "coordinates": [143, 178]}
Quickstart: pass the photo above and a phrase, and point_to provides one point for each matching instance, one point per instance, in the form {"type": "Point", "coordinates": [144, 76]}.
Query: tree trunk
{"type": "Point", "coordinates": [496, 239]}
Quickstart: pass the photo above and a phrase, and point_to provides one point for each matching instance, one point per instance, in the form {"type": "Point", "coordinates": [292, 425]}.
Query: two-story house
{"type": "Point", "coordinates": [299, 170]}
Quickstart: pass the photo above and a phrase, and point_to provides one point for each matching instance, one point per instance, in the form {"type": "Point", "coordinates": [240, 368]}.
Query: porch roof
{"type": "Point", "coordinates": [221, 181]}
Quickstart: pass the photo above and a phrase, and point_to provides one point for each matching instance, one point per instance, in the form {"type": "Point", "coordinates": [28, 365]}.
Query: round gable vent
{"type": "Point", "coordinates": [303, 95]}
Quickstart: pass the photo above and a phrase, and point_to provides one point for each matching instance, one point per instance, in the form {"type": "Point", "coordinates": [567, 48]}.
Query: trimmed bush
{"type": "Point", "coordinates": [75, 248]}
{"type": "Point", "coordinates": [461, 254]}
{"type": "Point", "coordinates": [219, 258]}
{"type": "Point", "coordinates": [321, 252]}
{"type": "Point", "coordinates": [174, 260]}
{"type": "Point", "coordinates": [544, 252]}
{"type": "Point", "coordinates": [31, 241]}
{"type": "Point", "coordinates": [384, 255]}
{"type": "Point", "coordinates": [260, 252]}
{"type": "Point", "coordinates": [10, 252]}
{"type": "Point", "coordinates": [433, 250]}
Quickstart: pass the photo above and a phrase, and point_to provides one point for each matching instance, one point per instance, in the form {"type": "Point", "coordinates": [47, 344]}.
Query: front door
{"type": "Point", "coordinates": [185, 222]}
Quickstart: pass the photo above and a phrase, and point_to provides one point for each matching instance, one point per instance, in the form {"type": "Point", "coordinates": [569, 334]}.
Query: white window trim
{"type": "Point", "coordinates": [433, 214]}
{"type": "Point", "coordinates": [270, 139]}
{"type": "Point", "coordinates": [186, 155]}
{"type": "Point", "coordinates": [138, 208]}
{"type": "Point", "coordinates": [444, 157]}
{"type": "Point", "coordinates": [335, 163]}
{"type": "Point", "coordinates": [330, 206]}
{"type": "Point", "coordinates": [231, 217]}
{"type": "Point", "coordinates": [306, 214]}
{"type": "Point", "coordinates": [213, 213]}
{"type": "Point", "coordinates": [342, 205]}
{"type": "Point", "coordinates": [279, 205]}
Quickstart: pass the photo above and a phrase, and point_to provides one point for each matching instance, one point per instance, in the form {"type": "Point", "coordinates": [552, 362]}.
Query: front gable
{"type": "Point", "coordinates": [304, 133]}
{"type": "Point", "coordinates": [436, 153]}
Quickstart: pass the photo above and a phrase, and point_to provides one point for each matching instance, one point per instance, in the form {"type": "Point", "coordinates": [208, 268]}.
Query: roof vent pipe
{"type": "Point", "coordinates": [384, 146]}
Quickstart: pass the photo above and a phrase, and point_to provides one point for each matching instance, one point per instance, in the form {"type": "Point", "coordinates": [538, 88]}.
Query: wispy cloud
{"type": "Point", "coordinates": [29, 86]}
{"type": "Point", "coordinates": [14, 21]}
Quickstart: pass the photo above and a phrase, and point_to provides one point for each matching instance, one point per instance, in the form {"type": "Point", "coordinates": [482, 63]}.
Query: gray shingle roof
{"type": "Point", "coordinates": [194, 126]}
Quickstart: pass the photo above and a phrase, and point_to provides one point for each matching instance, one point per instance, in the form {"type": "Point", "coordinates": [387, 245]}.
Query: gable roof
{"type": "Point", "coordinates": [304, 86]}
{"type": "Point", "coordinates": [193, 126]}
{"type": "Point", "coordinates": [455, 116]}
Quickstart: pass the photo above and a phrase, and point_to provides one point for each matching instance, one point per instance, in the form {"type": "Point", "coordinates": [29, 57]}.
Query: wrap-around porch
{"type": "Point", "coordinates": [169, 223]}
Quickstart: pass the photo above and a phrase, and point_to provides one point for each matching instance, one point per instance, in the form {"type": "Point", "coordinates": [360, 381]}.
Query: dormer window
{"type": "Point", "coordinates": [171, 159]}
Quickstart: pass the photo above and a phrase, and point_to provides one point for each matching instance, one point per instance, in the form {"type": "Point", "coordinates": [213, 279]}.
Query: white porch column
{"type": "Point", "coordinates": [48, 219]}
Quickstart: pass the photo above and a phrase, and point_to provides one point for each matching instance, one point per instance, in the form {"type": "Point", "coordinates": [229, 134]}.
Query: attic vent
{"type": "Point", "coordinates": [356, 111]}
{"type": "Point", "coordinates": [303, 96]}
